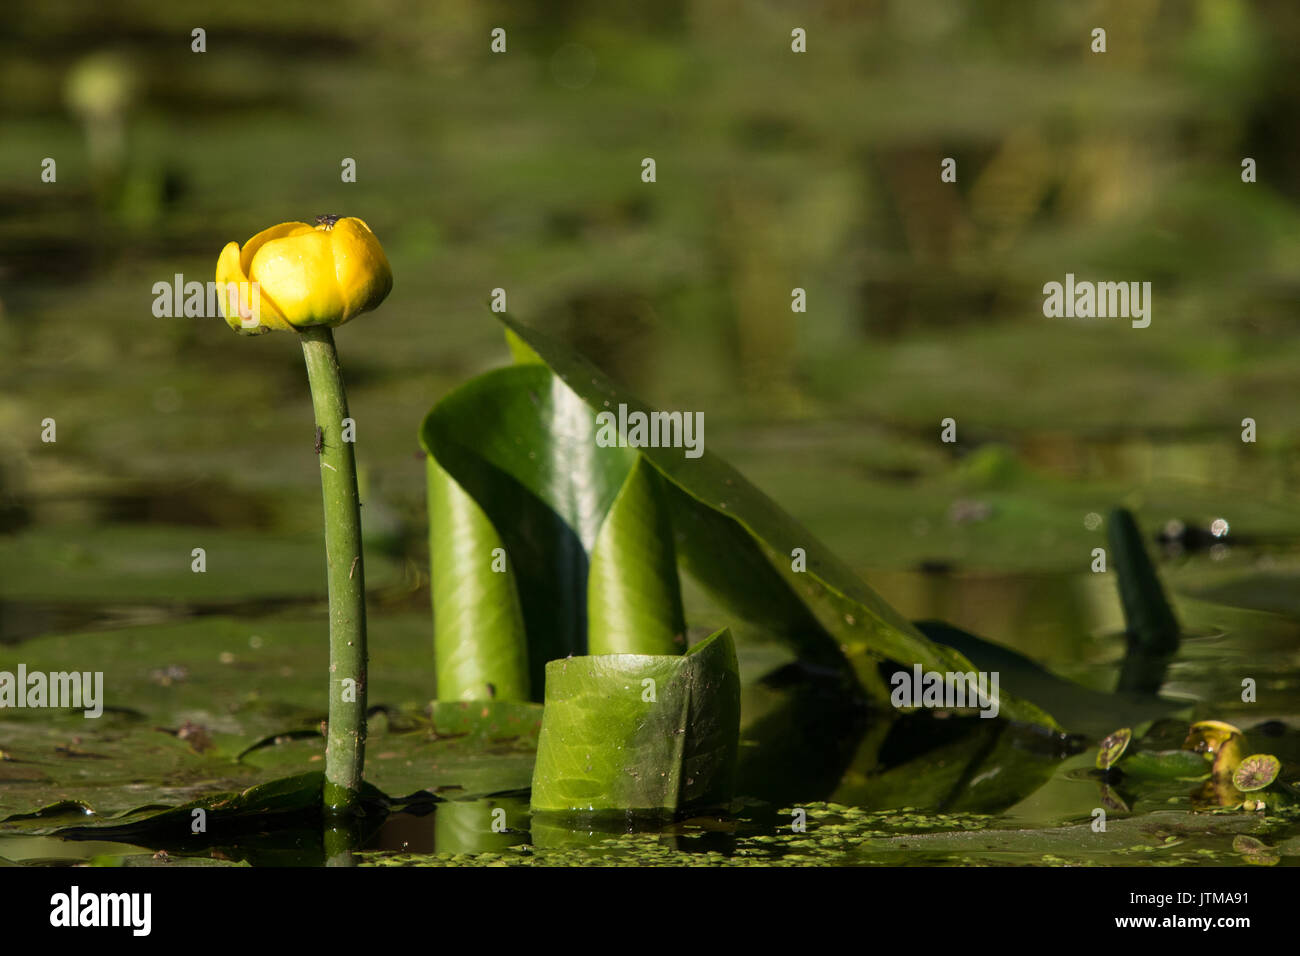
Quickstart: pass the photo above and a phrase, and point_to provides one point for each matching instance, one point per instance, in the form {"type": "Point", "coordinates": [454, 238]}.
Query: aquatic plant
{"type": "Point", "coordinates": [309, 279]}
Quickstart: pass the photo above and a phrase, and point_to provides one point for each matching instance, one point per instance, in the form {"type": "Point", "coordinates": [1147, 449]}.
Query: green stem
{"type": "Point", "coordinates": [341, 841]}
{"type": "Point", "coordinates": [346, 741]}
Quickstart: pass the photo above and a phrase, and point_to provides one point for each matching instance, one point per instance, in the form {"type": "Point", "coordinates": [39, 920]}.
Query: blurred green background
{"type": "Point", "coordinates": [775, 170]}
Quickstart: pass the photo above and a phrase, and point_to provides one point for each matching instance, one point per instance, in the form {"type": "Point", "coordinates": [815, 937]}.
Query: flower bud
{"type": "Point", "coordinates": [294, 276]}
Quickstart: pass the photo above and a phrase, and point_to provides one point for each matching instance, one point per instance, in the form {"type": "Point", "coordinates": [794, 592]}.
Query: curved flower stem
{"type": "Point", "coordinates": [346, 740]}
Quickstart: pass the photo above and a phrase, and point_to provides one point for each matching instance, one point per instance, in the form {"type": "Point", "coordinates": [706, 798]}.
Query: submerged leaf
{"type": "Point", "coordinates": [634, 601]}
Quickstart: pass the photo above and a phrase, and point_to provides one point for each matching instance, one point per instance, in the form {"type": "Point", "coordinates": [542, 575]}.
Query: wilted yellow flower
{"type": "Point", "coordinates": [304, 275]}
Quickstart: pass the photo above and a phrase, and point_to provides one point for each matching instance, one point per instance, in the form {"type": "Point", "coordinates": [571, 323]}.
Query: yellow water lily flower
{"type": "Point", "coordinates": [305, 276]}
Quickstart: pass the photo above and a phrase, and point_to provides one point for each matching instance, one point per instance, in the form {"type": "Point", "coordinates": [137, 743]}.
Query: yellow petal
{"type": "Point", "coordinates": [364, 276]}
{"type": "Point", "coordinates": [296, 272]}
{"type": "Point", "coordinates": [242, 312]}
{"type": "Point", "coordinates": [265, 236]}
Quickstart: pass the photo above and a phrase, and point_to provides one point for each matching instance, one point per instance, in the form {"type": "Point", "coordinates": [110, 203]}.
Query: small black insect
{"type": "Point", "coordinates": [327, 221]}
{"type": "Point", "coordinates": [320, 439]}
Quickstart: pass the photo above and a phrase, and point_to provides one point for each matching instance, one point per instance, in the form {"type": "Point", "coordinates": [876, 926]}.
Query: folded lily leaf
{"type": "Point", "coordinates": [730, 536]}
{"type": "Point", "coordinates": [523, 447]}
{"type": "Point", "coordinates": [638, 732]}
{"type": "Point", "coordinates": [475, 606]}
{"type": "Point", "coordinates": [634, 601]}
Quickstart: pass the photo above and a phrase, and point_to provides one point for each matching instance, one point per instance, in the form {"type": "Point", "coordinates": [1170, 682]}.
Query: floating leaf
{"type": "Point", "coordinates": [1256, 772]}
{"type": "Point", "coordinates": [468, 749]}
{"type": "Point", "coordinates": [1124, 841]}
{"type": "Point", "coordinates": [1256, 851]}
{"type": "Point", "coordinates": [1113, 747]}
{"type": "Point", "coordinates": [492, 721]}
{"type": "Point", "coordinates": [296, 796]}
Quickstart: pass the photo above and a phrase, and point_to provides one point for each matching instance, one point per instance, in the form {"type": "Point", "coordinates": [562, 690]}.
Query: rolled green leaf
{"type": "Point", "coordinates": [480, 649]}
{"type": "Point", "coordinates": [523, 446]}
{"type": "Point", "coordinates": [739, 545]}
{"type": "Point", "coordinates": [521, 351]}
{"type": "Point", "coordinates": [636, 732]}
{"type": "Point", "coordinates": [634, 599]}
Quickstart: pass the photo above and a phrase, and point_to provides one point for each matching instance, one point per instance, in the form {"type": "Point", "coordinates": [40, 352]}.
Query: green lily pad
{"type": "Point", "coordinates": [1256, 772]}
{"type": "Point", "coordinates": [467, 749]}
{"type": "Point", "coordinates": [149, 563]}
{"type": "Point", "coordinates": [186, 706]}
{"type": "Point", "coordinates": [1255, 851]}
{"type": "Point", "coordinates": [1123, 840]}
{"type": "Point", "coordinates": [1113, 747]}
{"type": "Point", "coordinates": [290, 795]}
